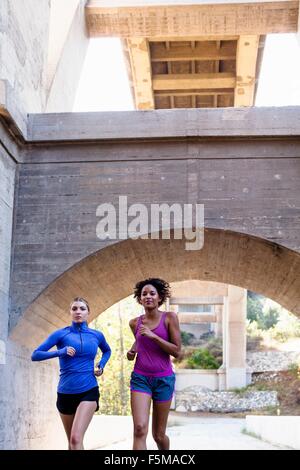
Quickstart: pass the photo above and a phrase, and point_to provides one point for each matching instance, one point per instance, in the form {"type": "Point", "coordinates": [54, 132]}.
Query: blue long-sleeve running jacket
{"type": "Point", "coordinates": [76, 372]}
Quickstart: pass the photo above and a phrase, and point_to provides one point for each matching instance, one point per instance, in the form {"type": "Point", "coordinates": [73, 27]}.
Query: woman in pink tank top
{"type": "Point", "coordinates": [157, 337]}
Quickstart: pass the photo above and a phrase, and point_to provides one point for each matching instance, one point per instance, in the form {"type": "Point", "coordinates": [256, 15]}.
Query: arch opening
{"type": "Point", "coordinates": [109, 275]}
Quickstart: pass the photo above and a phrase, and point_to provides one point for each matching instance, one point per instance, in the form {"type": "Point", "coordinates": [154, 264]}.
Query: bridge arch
{"type": "Point", "coordinates": [109, 275]}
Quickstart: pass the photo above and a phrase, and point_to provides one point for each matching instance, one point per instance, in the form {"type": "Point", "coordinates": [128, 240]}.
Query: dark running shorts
{"type": "Point", "coordinates": [67, 403]}
{"type": "Point", "coordinates": [159, 388]}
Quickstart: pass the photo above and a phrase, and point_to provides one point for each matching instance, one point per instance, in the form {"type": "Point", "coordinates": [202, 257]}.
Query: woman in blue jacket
{"type": "Point", "coordinates": [78, 392]}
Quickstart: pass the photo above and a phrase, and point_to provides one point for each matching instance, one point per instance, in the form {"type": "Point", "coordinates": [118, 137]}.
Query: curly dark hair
{"type": "Point", "coordinates": [162, 287]}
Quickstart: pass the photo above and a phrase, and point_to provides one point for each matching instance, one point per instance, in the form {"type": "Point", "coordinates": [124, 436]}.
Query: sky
{"type": "Point", "coordinates": [104, 83]}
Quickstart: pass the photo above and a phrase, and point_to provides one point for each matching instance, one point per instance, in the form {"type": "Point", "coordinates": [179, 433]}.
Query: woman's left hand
{"type": "Point", "coordinates": [98, 372]}
{"type": "Point", "coordinates": [145, 331]}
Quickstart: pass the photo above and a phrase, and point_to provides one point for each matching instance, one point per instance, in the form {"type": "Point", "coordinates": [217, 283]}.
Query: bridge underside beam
{"type": "Point", "coordinates": [192, 20]}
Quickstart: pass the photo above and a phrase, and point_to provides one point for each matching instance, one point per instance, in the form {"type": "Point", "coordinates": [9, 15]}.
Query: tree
{"type": "Point", "coordinates": [266, 318]}
{"type": "Point", "coordinates": [114, 384]}
{"type": "Point", "coordinates": [254, 306]}
{"type": "Point", "coordinates": [269, 318]}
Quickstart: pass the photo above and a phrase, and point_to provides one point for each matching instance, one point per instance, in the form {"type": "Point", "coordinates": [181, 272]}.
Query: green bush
{"type": "Point", "coordinates": [253, 330]}
{"type": "Point", "coordinates": [269, 318]}
{"type": "Point", "coordinates": [202, 359]}
{"type": "Point", "coordinates": [294, 368]}
{"type": "Point", "coordinates": [280, 336]}
{"type": "Point", "coordinates": [186, 338]}
{"type": "Point", "coordinates": [214, 346]}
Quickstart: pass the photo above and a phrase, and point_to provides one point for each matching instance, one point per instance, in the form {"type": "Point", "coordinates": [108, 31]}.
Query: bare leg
{"type": "Point", "coordinates": [159, 424]}
{"type": "Point", "coordinates": [68, 423]}
{"type": "Point", "coordinates": [83, 417]}
{"type": "Point", "coordinates": [140, 407]}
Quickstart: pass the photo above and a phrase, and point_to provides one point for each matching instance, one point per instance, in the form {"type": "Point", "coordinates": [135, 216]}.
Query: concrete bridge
{"type": "Point", "coordinates": [56, 169]}
{"type": "Point", "coordinates": [242, 164]}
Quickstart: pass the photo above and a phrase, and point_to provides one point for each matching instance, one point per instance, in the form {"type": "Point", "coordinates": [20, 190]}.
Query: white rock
{"type": "Point", "coordinates": [181, 408]}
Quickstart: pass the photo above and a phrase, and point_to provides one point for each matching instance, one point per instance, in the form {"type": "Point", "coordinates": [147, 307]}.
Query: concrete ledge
{"type": "Point", "coordinates": [207, 378]}
{"type": "Point", "coordinates": [225, 123]}
{"type": "Point", "coordinates": [10, 110]}
{"type": "Point", "coordinates": [10, 141]}
{"type": "Point", "coordinates": [282, 430]}
{"type": "Point", "coordinates": [165, 124]}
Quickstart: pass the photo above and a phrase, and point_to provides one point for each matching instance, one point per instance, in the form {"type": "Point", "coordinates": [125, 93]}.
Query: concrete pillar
{"type": "Point", "coordinates": [298, 32]}
{"type": "Point", "coordinates": [68, 44]}
{"type": "Point", "coordinates": [28, 418]}
{"type": "Point", "coordinates": [235, 339]}
{"type": "Point", "coordinates": [7, 183]}
{"type": "Point", "coordinates": [219, 324]}
{"type": "Point", "coordinates": [222, 369]}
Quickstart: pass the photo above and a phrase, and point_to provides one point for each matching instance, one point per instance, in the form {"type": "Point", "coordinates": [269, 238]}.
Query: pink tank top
{"type": "Point", "coordinates": [151, 360]}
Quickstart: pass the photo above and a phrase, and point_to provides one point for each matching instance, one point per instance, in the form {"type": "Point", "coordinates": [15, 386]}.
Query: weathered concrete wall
{"type": "Point", "coordinates": [23, 50]}
{"type": "Point", "coordinates": [27, 390]}
{"type": "Point", "coordinates": [246, 187]}
{"type": "Point", "coordinates": [7, 184]}
{"type": "Point", "coordinates": [27, 401]}
{"type": "Point", "coordinates": [43, 45]}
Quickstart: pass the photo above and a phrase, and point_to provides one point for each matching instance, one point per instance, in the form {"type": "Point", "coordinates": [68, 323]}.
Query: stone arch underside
{"type": "Point", "coordinates": [109, 275]}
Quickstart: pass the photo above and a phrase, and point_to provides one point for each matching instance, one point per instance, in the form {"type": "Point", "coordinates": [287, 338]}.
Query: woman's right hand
{"type": "Point", "coordinates": [131, 354]}
{"type": "Point", "coordinates": [67, 351]}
